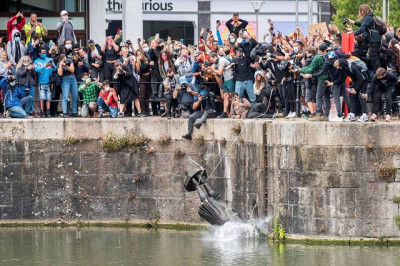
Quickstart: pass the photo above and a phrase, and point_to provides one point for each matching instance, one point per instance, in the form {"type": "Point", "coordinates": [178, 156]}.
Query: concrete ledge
{"type": "Point", "coordinates": [81, 128]}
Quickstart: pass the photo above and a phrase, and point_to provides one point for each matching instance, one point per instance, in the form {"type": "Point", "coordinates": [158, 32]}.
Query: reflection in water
{"type": "Point", "coordinates": [231, 245]}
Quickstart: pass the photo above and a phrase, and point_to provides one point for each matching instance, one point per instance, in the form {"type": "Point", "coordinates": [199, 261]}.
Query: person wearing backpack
{"type": "Point", "coordinates": [353, 68]}
{"type": "Point", "coordinates": [372, 25]}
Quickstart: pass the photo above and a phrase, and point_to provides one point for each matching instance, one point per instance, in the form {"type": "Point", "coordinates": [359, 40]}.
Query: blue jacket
{"type": "Point", "coordinates": [11, 96]}
{"type": "Point", "coordinates": [43, 72]}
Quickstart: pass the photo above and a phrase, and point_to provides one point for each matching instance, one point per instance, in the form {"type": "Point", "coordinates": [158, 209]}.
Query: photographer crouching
{"type": "Point", "coordinates": [185, 94]}
{"type": "Point", "coordinates": [204, 108]}
{"type": "Point", "coordinates": [18, 105]}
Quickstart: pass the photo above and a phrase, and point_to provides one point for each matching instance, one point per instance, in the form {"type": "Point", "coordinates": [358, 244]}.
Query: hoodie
{"type": "Point", "coordinates": [11, 96]}
{"type": "Point", "coordinates": [12, 46]}
{"type": "Point", "coordinates": [11, 26]}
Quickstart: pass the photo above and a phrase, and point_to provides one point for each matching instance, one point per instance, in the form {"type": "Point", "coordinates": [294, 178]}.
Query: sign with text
{"type": "Point", "coordinates": [319, 27]}
{"type": "Point", "coordinates": [154, 5]}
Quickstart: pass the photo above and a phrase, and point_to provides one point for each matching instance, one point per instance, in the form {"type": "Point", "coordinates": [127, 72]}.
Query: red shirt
{"type": "Point", "coordinates": [104, 95]}
{"type": "Point", "coordinates": [18, 26]}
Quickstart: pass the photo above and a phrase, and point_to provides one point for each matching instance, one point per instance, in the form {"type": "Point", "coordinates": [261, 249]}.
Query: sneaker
{"type": "Point", "coordinates": [65, 115]}
{"type": "Point", "coordinates": [48, 115]}
{"type": "Point", "coordinates": [317, 117]}
{"type": "Point", "coordinates": [305, 116]}
{"type": "Point", "coordinates": [336, 119]}
{"type": "Point", "coordinates": [374, 118]}
{"type": "Point", "coordinates": [96, 115]}
{"type": "Point", "coordinates": [187, 137]}
{"type": "Point", "coordinates": [120, 115]}
{"type": "Point", "coordinates": [198, 125]}
{"type": "Point", "coordinates": [324, 118]}
{"type": "Point", "coordinates": [350, 118]}
{"type": "Point", "coordinates": [363, 118]}
{"type": "Point", "coordinates": [293, 115]}
{"type": "Point", "coordinates": [142, 114]}
{"type": "Point", "coordinates": [164, 114]}
{"type": "Point", "coordinates": [74, 115]}
{"type": "Point", "coordinates": [42, 115]}
{"type": "Point", "coordinates": [223, 115]}
{"type": "Point", "coordinates": [388, 118]}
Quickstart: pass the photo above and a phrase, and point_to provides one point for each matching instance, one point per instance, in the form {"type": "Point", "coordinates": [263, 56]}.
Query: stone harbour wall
{"type": "Point", "coordinates": [57, 168]}
{"type": "Point", "coordinates": [334, 179]}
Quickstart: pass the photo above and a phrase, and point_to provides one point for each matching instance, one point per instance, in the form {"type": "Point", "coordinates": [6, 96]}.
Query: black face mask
{"type": "Point", "coordinates": [171, 77]}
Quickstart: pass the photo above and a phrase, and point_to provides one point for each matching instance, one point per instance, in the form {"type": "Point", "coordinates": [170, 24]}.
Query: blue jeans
{"type": "Point", "coordinates": [69, 85]}
{"type": "Point", "coordinates": [31, 91]}
{"type": "Point", "coordinates": [247, 85]}
{"type": "Point", "coordinates": [105, 108]}
{"type": "Point", "coordinates": [22, 112]}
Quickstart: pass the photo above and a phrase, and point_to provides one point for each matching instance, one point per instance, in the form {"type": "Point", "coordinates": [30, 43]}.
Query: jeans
{"type": "Point", "coordinates": [86, 109]}
{"type": "Point", "coordinates": [247, 85]}
{"type": "Point", "coordinates": [22, 112]}
{"type": "Point", "coordinates": [44, 92]}
{"type": "Point", "coordinates": [357, 97]}
{"type": "Point", "coordinates": [323, 93]}
{"type": "Point", "coordinates": [69, 85]}
{"type": "Point", "coordinates": [203, 115]}
{"type": "Point", "coordinates": [98, 73]}
{"type": "Point", "coordinates": [376, 100]}
{"type": "Point", "coordinates": [336, 90]}
{"type": "Point", "coordinates": [103, 107]}
{"type": "Point", "coordinates": [31, 91]}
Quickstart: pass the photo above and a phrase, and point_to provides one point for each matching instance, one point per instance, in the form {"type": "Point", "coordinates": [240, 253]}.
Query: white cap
{"type": "Point", "coordinates": [63, 12]}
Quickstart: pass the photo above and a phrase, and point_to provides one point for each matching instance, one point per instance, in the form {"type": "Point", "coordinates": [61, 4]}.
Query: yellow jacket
{"type": "Point", "coordinates": [39, 29]}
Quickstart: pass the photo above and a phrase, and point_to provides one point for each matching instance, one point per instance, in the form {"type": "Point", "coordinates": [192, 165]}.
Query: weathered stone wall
{"type": "Point", "coordinates": [334, 179]}
{"type": "Point", "coordinates": [51, 168]}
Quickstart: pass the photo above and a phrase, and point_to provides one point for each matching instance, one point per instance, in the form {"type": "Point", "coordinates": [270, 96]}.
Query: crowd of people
{"type": "Point", "coordinates": [236, 77]}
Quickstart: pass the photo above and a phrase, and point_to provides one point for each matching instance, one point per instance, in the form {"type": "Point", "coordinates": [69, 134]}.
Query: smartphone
{"type": "Point", "coordinates": [139, 39]}
{"type": "Point", "coordinates": [218, 21]}
{"type": "Point", "coordinates": [21, 11]}
{"type": "Point", "coordinates": [157, 36]}
{"type": "Point", "coordinates": [39, 20]}
{"type": "Point", "coordinates": [181, 40]}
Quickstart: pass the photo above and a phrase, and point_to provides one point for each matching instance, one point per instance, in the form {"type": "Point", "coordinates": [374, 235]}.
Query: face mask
{"type": "Point", "coordinates": [269, 54]}
{"type": "Point", "coordinates": [43, 56]}
{"type": "Point", "coordinates": [171, 77]}
{"type": "Point", "coordinates": [17, 39]}
{"type": "Point", "coordinates": [12, 83]}
{"type": "Point", "coordinates": [245, 41]}
{"type": "Point", "coordinates": [201, 48]}
{"type": "Point", "coordinates": [107, 88]}
{"type": "Point", "coordinates": [295, 49]}
{"type": "Point", "coordinates": [232, 41]}
{"type": "Point", "coordinates": [64, 17]}
{"type": "Point", "coordinates": [25, 64]}
{"type": "Point", "coordinates": [68, 46]}
{"type": "Point", "coordinates": [92, 47]}
{"type": "Point", "coordinates": [110, 43]}
{"type": "Point", "coordinates": [146, 49]}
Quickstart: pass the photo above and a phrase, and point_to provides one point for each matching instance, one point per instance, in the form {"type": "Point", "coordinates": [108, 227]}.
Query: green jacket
{"type": "Point", "coordinates": [315, 66]}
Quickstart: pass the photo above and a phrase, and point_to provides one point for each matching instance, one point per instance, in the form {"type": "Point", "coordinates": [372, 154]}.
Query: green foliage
{"type": "Point", "coordinates": [137, 141]}
{"type": "Point", "coordinates": [396, 218]}
{"type": "Point", "coordinates": [279, 231]}
{"type": "Point", "coordinates": [349, 9]}
{"type": "Point", "coordinates": [396, 199]}
{"type": "Point", "coordinates": [164, 140]}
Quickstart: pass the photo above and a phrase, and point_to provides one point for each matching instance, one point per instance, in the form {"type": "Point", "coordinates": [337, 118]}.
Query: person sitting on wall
{"type": "Point", "coordinates": [170, 84]}
{"type": "Point", "coordinates": [239, 107]}
{"type": "Point", "coordinates": [108, 100]}
{"type": "Point", "coordinates": [90, 91]}
{"type": "Point", "coordinates": [18, 105]}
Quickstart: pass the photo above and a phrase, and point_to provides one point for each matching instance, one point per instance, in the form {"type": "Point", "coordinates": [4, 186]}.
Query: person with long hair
{"type": "Point", "coordinates": [142, 68]}
{"type": "Point", "coordinates": [25, 72]}
{"type": "Point", "coordinates": [368, 25]}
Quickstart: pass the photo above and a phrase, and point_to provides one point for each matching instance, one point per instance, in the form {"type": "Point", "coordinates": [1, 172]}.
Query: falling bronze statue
{"type": "Point", "coordinates": [213, 211]}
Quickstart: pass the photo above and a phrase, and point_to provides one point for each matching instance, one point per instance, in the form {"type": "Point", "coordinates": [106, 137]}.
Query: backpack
{"type": "Point", "coordinates": [358, 62]}
{"type": "Point", "coordinates": [380, 25]}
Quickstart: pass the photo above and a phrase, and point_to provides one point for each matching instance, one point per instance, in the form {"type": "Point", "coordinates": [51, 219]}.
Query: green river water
{"type": "Point", "coordinates": [118, 246]}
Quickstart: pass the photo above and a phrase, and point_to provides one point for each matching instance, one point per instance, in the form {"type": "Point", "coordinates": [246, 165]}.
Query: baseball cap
{"type": "Point", "coordinates": [64, 12]}
{"type": "Point", "coordinates": [236, 13]}
{"type": "Point", "coordinates": [91, 42]}
{"type": "Point", "coordinates": [182, 80]}
{"type": "Point", "coordinates": [323, 47]}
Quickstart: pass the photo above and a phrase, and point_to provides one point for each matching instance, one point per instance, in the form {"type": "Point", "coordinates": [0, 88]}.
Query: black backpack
{"type": "Point", "coordinates": [380, 25]}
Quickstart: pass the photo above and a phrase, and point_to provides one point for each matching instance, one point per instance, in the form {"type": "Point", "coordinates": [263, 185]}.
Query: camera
{"type": "Point", "coordinates": [39, 20]}
{"type": "Point", "coordinates": [345, 21]}
{"type": "Point", "coordinates": [68, 61]}
{"type": "Point", "coordinates": [184, 87]}
{"type": "Point", "coordinates": [206, 64]}
{"type": "Point", "coordinates": [128, 42]}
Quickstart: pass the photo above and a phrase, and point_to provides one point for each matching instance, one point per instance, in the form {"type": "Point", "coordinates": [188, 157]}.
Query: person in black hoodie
{"type": "Point", "coordinates": [367, 25]}
{"type": "Point", "coordinates": [382, 83]}
{"type": "Point", "coordinates": [360, 84]}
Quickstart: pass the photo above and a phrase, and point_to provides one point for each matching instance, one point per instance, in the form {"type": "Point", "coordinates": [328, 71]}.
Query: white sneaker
{"type": "Point", "coordinates": [336, 119]}
{"type": "Point", "coordinates": [363, 118]}
{"type": "Point", "coordinates": [292, 115]}
{"type": "Point", "coordinates": [350, 118]}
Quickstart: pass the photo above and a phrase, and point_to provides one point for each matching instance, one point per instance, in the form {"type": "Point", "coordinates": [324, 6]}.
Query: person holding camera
{"type": "Point", "coordinates": [185, 94]}
{"type": "Point", "coordinates": [368, 26]}
{"type": "Point", "coordinates": [34, 27]}
{"type": "Point", "coordinates": [239, 107]}
{"type": "Point", "coordinates": [382, 83]}
{"type": "Point", "coordinates": [110, 50]}
{"type": "Point", "coordinates": [108, 100]}
{"type": "Point", "coordinates": [79, 65]}
{"type": "Point", "coordinates": [90, 89]}
{"type": "Point", "coordinates": [65, 29]}
{"type": "Point", "coordinates": [18, 104]}
{"type": "Point", "coordinates": [128, 88]}
{"type": "Point", "coordinates": [69, 85]}
{"type": "Point", "coordinates": [44, 68]}
{"type": "Point", "coordinates": [26, 75]}
{"type": "Point", "coordinates": [203, 108]}
{"type": "Point", "coordinates": [95, 60]}
{"type": "Point", "coordinates": [170, 84]}
{"type": "Point", "coordinates": [34, 47]}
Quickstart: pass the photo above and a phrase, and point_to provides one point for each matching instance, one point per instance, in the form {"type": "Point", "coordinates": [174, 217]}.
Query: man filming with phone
{"type": "Point", "coordinates": [33, 27]}
{"type": "Point", "coordinates": [65, 29]}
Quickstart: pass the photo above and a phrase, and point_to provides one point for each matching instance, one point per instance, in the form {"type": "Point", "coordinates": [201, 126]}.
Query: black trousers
{"type": "Point", "coordinates": [55, 97]}
{"type": "Point", "coordinates": [171, 102]}
{"type": "Point", "coordinates": [373, 55]}
{"type": "Point", "coordinates": [377, 97]}
{"type": "Point", "coordinates": [109, 71]}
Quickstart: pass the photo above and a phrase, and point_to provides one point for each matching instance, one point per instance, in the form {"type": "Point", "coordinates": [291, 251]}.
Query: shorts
{"type": "Point", "coordinates": [311, 93]}
{"type": "Point", "coordinates": [229, 86]}
{"type": "Point", "coordinates": [44, 92]}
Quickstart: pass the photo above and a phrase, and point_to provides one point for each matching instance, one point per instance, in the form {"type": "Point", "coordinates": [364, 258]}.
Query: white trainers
{"type": "Point", "coordinates": [336, 119]}
{"type": "Point", "coordinates": [350, 118]}
{"type": "Point", "coordinates": [291, 115]}
{"type": "Point", "coordinates": [363, 118]}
